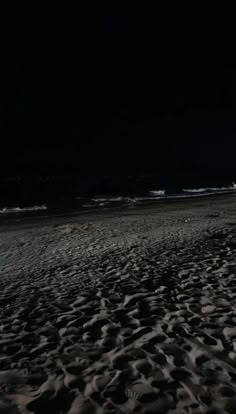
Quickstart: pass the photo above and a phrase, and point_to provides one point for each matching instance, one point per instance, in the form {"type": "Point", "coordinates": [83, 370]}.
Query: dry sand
{"type": "Point", "coordinates": [123, 312]}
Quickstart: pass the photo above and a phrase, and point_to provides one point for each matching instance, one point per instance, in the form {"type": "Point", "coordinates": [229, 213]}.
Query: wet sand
{"type": "Point", "coordinates": [129, 311]}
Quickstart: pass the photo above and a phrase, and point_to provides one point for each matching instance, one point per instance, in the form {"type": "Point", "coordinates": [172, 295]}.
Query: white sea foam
{"type": "Point", "coordinates": [118, 198]}
{"type": "Point", "coordinates": [194, 190]}
{"type": "Point", "coordinates": [99, 202]}
{"type": "Point", "coordinates": [158, 192]}
{"type": "Point", "coordinates": [146, 198]}
{"type": "Point", "coordinates": [109, 199]}
{"type": "Point", "coordinates": [205, 190]}
{"type": "Point", "coordinates": [92, 205]}
{"type": "Point", "coordinates": [12, 210]}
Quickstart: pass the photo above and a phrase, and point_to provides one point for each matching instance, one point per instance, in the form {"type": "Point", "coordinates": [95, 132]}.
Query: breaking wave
{"type": "Point", "coordinates": [152, 196]}
{"type": "Point", "coordinates": [206, 190]}
{"type": "Point", "coordinates": [110, 199]}
{"type": "Point", "coordinates": [14, 210]}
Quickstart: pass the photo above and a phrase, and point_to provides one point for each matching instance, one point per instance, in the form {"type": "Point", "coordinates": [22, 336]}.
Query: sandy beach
{"type": "Point", "coordinates": [129, 311]}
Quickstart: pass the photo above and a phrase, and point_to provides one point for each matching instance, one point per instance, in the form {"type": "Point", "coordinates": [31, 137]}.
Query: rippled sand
{"type": "Point", "coordinates": [131, 312]}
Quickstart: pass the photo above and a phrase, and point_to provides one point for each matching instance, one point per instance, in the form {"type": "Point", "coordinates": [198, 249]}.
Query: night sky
{"type": "Point", "coordinates": [118, 87]}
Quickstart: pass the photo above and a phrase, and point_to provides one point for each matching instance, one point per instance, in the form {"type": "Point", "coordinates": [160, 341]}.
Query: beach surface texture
{"type": "Point", "coordinates": [127, 311]}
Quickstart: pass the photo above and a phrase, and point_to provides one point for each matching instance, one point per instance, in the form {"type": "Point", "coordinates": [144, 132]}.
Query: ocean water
{"type": "Point", "coordinates": [42, 196]}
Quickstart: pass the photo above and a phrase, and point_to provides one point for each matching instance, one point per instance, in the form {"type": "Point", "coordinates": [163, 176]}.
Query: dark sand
{"type": "Point", "coordinates": [129, 311]}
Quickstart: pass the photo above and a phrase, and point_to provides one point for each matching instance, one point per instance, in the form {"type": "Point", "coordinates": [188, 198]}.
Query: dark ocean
{"type": "Point", "coordinates": [60, 195]}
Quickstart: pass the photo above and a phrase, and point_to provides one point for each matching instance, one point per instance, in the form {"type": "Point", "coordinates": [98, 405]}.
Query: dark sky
{"type": "Point", "coordinates": [116, 87]}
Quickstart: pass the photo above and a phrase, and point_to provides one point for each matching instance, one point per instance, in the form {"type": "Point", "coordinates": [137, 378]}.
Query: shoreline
{"type": "Point", "coordinates": [6, 223]}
